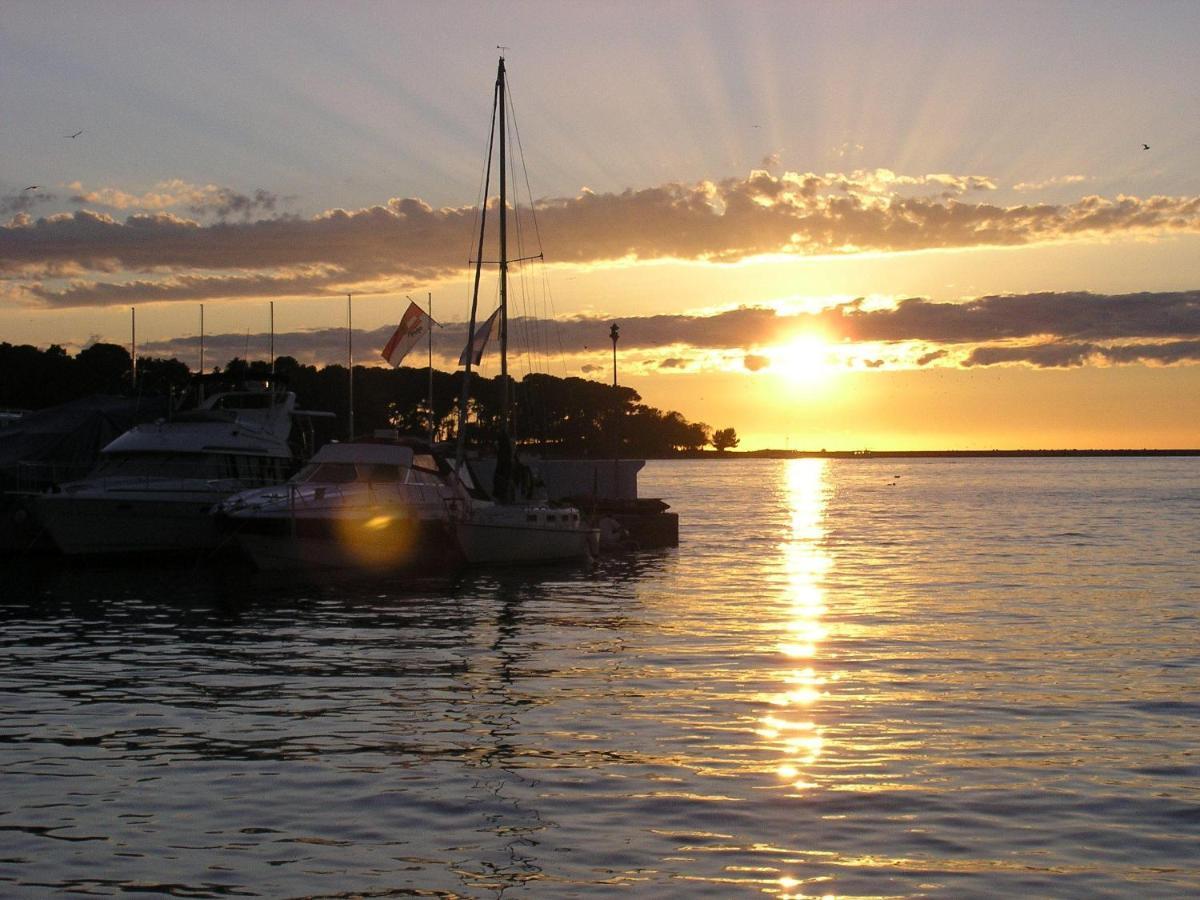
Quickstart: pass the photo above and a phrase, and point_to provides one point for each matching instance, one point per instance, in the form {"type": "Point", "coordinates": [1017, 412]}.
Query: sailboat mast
{"type": "Point", "coordinates": [504, 399]}
{"type": "Point", "coordinates": [350, 360]}
{"type": "Point", "coordinates": [460, 450]}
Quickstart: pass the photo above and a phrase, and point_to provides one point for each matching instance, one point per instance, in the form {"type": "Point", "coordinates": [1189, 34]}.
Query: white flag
{"type": "Point", "coordinates": [413, 326]}
{"type": "Point", "coordinates": [475, 348]}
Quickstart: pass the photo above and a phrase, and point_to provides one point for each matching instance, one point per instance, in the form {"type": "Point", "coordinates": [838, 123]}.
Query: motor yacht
{"type": "Point", "coordinates": [155, 485]}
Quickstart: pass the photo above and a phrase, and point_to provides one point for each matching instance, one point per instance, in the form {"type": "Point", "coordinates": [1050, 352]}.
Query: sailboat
{"type": "Point", "coordinates": [508, 528]}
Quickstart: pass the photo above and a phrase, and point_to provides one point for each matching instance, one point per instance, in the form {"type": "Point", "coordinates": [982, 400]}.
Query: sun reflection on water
{"type": "Point", "coordinates": [791, 727]}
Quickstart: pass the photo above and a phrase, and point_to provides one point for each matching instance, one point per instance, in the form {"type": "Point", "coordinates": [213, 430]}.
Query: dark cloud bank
{"type": "Point", "coordinates": [1048, 330]}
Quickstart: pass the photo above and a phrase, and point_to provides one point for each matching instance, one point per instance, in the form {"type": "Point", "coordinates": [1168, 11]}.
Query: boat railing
{"type": "Point", "coordinates": [306, 495]}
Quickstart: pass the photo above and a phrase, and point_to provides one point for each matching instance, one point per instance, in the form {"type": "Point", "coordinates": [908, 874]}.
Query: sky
{"type": "Point", "coordinates": [847, 225]}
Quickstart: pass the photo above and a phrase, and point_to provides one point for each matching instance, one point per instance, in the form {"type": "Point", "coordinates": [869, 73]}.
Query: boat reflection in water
{"type": "Point", "coordinates": [792, 725]}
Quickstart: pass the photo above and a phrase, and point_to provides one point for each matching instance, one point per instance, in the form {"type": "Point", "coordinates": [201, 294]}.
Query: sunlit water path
{"type": "Point", "coordinates": [853, 678]}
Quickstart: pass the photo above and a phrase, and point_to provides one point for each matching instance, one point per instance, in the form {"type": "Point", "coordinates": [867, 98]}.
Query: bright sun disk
{"type": "Point", "coordinates": [803, 360]}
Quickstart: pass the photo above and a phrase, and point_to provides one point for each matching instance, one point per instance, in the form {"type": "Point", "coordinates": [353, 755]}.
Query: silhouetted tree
{"type": "Point", "coordinates": [162, 376]}
{"type": "Point", "coordinates": [105, 368]}
{"type": "Point", "coordinates": [559, 416]}
{"type": "Point", "coordinates": [725, 439]}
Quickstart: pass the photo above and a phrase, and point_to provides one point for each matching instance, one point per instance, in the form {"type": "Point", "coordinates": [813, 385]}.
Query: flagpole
{"type": "Point", "coordinates": [272, 338]}
{"type": "Point", "coordinates": [430, 329]}
{"type": "Point", "coordinates": [350, 358]}
{"type": "Point", "coordinates": [133, 348]}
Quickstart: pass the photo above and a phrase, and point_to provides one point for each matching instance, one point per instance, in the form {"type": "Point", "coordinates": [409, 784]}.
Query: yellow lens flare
{"type": "Point", "coordinates": [378, 540]}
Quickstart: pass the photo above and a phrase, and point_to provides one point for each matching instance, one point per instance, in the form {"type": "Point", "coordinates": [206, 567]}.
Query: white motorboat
{"type": "Point", "coordinates": [155, 485]}
{"type": "Point", "coordinates": [377, 503]}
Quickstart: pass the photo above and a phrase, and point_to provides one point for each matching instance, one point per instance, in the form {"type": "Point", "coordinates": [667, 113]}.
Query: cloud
{"type": "Point", "coordinates": [165, 195]}
{"type": "Point", "coordinates": [1055, 181]}
{"type": "Point", "coordinates": [1042, 330]}
{"type": "Point", "coordinates": [225, 202]}
{"type": "Point", "coordinates": [405, 241]}
{"type": "Point", "coordinates": [23, 202]}
{"type": "Point", "coordinates": [1070, 355]}
{"type": "Point", "coordinates": [177, 194]}
{"type": "Point", "coordinates": [1043, 356]}
{"type": "Point", "coordinates": [1075, 316]}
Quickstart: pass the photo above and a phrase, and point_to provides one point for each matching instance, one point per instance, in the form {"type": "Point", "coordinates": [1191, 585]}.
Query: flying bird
{"type": "Point", "coordinates": [75, 135]}
{"type": "Point", "coordinates": [1145, 146]}
{"type": "Point", "coordinates": [32, 187]}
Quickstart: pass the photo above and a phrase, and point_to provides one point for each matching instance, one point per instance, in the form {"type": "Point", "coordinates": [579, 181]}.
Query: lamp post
{"type": "Point", "coordinates": [614, 333]}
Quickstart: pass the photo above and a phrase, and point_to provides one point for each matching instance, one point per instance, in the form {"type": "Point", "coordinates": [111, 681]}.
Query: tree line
{"type": "Point", "coordinates": [557, 416]}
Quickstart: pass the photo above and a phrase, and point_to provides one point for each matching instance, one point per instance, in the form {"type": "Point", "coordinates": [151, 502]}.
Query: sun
{"type": "Point", "coordinates": [806, 359]}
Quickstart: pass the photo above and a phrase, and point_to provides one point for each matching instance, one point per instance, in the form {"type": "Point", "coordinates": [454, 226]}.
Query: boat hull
{"type": "Point", "coordinates": [95, 525]}
{"type": "Point", "coordinates": [485, 542]}
{"type": "Point", "coordinates": [378, 543]}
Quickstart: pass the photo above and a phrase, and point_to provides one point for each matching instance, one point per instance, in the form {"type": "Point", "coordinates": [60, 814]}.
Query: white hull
{"type": "Point", "coordinates": [403, 545]}
{"type": "Point", "coordinates": [516, 534]}
{"type": "Point", "coordinates": [81, 525]}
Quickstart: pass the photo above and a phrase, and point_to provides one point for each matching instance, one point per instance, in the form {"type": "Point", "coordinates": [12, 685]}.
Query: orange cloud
{"type": "Point", "coordinates": [407, 241]}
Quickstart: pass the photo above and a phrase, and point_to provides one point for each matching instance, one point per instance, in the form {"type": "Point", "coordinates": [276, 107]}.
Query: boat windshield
{"type": "Point", "coordinates": [328, 473]}
{"type": "Point", "coordinates": [372, 473]}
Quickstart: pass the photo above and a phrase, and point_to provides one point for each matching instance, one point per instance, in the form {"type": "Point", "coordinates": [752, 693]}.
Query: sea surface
{"type": "Point", "coordinates": [853, 678]}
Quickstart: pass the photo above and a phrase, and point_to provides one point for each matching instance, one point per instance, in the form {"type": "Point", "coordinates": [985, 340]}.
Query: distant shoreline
{"type": "Point", "coordinates": [922, 454]}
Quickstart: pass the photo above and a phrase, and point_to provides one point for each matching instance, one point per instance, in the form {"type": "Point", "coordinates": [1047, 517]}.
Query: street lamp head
{"type": "Point", "coordinates": [614, 333]}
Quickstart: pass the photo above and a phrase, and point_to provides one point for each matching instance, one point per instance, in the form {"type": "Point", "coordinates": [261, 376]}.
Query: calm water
{"type": "Point", "coordinates": [925, 678]}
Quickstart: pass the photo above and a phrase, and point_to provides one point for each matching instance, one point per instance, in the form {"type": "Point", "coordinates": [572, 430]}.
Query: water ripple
{"type": "Point", "coordinates": [980, 683]}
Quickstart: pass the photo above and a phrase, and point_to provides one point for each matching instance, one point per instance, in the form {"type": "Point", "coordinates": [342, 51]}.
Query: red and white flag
{"type": "Point", "coordinates": [413, 326]}
{"type": "Point", "coordinates": [475, 348]}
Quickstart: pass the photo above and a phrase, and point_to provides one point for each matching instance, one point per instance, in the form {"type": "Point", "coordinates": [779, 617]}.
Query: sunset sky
{"type": "Point", "coordinates": [843, 225]}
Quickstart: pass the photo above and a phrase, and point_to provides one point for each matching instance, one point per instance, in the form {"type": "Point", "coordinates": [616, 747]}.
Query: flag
{"type": "Point", "coordinates": [475, 349]}
{"type": "Point", "coordinates": [413, 326]}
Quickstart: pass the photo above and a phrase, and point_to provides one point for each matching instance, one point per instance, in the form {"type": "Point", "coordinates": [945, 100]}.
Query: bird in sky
{"type": "Point", "coordinates": [1145, 146]}
{"type": "Point", "coordinates": [32, 187]}
{"type": "Point", "coordinates": [75, 135]}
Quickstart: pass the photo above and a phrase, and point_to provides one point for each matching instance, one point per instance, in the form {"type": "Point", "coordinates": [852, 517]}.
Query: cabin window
{"type": "Point", "coordinates": [164, 465]}
{"type": "Point", "coordinates": [329, 472]}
